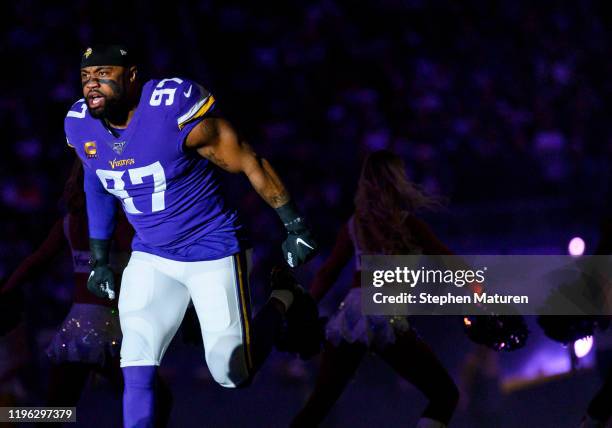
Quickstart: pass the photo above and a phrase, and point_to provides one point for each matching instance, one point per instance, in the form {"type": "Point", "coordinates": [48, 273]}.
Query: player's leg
{"type": "Point", "coordinates": [288, 303]}
{"type": "Point", "coordinates": [112, 372]}
{"type": "Point", "coordinates": [220, 294]}
{"type": "Point", "coordinates": [163, 394]}
{"type": "Point", "coordinates": [236, 345]}
{"type": "Point", "coordinates": [338, 365]}
{"type": "Point", "coordinates": [415, 361]}
{"type": "Point", "coordinates": [152, 304]}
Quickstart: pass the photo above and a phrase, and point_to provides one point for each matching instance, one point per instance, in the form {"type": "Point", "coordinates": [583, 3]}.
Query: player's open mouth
{"type": "Point", "coordinates": [95, 100]}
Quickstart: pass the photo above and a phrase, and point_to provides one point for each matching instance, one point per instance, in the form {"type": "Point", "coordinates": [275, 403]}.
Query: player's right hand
{"type": "Point", "coordinates": [101, 282]}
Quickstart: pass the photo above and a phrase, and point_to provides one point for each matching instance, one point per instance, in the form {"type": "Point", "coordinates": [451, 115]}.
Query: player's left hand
{"type": "Point", "coordinates": [299, 247]}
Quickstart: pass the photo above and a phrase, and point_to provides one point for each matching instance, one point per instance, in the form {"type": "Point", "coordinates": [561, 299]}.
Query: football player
{"type": "Point", "coordinates": [156, 147]}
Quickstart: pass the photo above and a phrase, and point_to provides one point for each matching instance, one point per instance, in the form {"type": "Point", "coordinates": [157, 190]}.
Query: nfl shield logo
{"type": "Point", "coordinates": [118, 147]}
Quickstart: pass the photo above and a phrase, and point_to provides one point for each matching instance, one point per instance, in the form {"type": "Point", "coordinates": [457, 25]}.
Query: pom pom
{"type": "Point", "coordinates": [498, 332]}
{"type": "Point", "coordinates": [568, 329]}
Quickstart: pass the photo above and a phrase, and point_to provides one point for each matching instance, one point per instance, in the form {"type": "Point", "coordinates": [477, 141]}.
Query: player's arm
{"type": "Point", "coordinates": [101, 215]}
{"type": "Point", "coordinates": [216, 140]}
{"type": "Point", "coordinates": [39, 260]}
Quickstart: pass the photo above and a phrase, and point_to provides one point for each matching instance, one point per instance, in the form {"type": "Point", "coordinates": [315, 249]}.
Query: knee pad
{"type": "Point", "coordinates": [139, 341]}
{"type": "Point", "coordinates": [227, 362]}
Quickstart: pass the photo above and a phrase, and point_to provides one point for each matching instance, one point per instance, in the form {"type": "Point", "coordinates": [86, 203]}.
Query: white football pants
{"type": "Point", "coordinates": [155, 293]}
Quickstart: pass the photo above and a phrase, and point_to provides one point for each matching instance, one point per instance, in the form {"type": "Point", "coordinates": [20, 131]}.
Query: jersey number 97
{"type": "Point", "coordinates": [136, 177]}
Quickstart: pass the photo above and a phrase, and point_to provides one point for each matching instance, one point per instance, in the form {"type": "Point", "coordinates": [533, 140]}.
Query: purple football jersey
{"type": "Point", "coordinates": [171, 197]}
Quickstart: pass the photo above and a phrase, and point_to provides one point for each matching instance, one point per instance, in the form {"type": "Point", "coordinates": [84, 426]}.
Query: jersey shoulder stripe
{"type": "Point", "coordinates": [78, 109]}
{"type": "Point", "coordinates": [198, 110]}
{"type": "Point", "coordinates": [187, 99]}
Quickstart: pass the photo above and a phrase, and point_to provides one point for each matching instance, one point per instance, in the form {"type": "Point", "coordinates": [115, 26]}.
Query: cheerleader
{"type": "Point", "coordinates": [89, 339]}
{"type": "Point", "coordinates": [384, 222]}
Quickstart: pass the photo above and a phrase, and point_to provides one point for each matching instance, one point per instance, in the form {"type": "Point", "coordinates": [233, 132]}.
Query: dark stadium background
{"type": "Point", "coordinates": [502, 107]}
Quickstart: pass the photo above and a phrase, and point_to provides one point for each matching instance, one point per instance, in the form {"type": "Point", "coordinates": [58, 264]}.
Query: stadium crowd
{"type": "Point", "coordinates": [487, 101]}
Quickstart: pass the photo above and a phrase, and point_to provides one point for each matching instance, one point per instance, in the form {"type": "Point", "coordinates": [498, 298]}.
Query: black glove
{"type": "Point", "coordinates": [300, 246]}
{"type": "Point", "coordinates": [101, 281]}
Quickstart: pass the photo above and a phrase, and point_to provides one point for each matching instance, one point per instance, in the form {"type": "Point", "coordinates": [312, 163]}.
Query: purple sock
{"type": "Point", "coordinates": [139, 396]}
